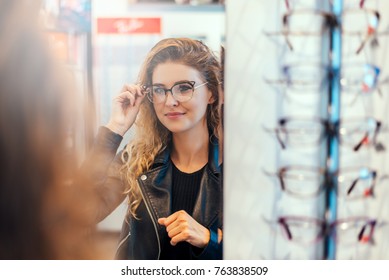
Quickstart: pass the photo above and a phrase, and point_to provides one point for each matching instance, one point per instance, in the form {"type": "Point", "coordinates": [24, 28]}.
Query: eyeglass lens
{"type": "Point", "coordinates": [181, 92]}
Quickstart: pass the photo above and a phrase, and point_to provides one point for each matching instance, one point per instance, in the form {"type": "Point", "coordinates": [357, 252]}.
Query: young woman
{"type": "Point", "coordinates": [170, 171]}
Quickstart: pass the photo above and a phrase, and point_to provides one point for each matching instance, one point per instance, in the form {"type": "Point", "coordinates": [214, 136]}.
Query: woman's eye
{"type": "Point", "coordinates": [185, 88]}
{"type": "Point", "coordinates": [159, 90]}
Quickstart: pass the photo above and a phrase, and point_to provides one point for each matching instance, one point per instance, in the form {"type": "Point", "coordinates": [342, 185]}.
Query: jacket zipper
{"type": "Point", "coordinates": [123, 240]}
{"type": "Point", "coordinates": [151, 217]}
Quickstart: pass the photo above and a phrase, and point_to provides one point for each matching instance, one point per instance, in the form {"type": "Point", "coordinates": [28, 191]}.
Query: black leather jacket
{"type": "Point", "coordinates": [141, 238]}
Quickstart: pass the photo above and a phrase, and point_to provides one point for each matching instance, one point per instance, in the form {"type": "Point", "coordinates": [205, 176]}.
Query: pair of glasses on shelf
{"type": "Point", "coordinates": [360, 23]}
{"type": "Point", "coordinates": [294, 4]}
{"type": "Point", "coordinates": [310, 78]}
{"type": "Point", "coordinates": [308, 181]}
{"type": "Point", "coordinates": [308, 230]}
{"type": "Point", "coordinates": [303, 132]}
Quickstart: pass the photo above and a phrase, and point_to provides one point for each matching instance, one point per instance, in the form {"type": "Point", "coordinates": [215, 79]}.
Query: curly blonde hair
{"type": "Point", "coordinates": [151, 136]}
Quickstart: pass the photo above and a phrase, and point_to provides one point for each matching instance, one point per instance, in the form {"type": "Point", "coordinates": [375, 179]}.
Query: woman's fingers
{"type": "Point", "coordinates": [179, 237]}
{"type": "Point", "coordinates": [131, 95]}
{"type": "Point", "coordinates": [180, 226]}
{"type": "Point", "coordinates": [125, 108]}
{"type": "Point", "coordinates": [126, 98]}
{"type": "Point", "coordinates": [178, 231]}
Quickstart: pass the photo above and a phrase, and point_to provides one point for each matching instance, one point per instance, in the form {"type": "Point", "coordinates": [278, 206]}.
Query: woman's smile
{"type": "Point", "coordinates": [174, 115]}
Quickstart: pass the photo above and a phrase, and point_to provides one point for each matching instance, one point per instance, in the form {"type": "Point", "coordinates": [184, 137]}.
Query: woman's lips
{"type": "Point", "coordinates": [174, 115]}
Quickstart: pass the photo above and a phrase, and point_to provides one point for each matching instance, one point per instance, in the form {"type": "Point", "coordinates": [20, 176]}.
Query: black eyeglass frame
{"type": "Point", "coordinates": [149, 90]}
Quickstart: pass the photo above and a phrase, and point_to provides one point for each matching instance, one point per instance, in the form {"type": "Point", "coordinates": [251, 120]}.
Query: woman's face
{"type": "Point", "coordinates": [177, 116]}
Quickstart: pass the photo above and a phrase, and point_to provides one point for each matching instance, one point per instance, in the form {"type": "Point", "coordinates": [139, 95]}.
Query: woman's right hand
{"type": "Point", "coordinates": [125, 108]}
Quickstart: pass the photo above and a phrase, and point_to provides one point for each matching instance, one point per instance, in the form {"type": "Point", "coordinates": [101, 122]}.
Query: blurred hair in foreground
{"type": "Point", "coordinates": [42, 213]}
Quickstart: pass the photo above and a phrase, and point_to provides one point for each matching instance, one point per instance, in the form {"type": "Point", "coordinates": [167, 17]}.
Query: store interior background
{"type": "Point", "coordinates": [111, 54]}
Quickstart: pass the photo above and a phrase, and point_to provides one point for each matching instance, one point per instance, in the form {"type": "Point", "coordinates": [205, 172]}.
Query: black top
{"type": "Point", "coordinates": [185, 188]}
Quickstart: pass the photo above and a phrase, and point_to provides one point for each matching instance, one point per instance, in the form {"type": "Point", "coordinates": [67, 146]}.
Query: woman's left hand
{"type": "Point", "coordinates": [180, 226]}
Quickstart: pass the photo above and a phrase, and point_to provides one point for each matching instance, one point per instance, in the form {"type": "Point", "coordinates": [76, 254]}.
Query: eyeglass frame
{"type": "Point", "coordinates": [329, 129]}
{"type": "Point", "coordinates": [330, 21]}
{"type": "Point", "coordinates": [326, 180]}
{"type": "Point", "coordinates": [361, 4]}
{"type": "Point", "coordinates": [327, 72]}
{"type": "Point", "coordinates": [149, 90]}
{"type": "Point", "coordinates": [364, 85]}
{"type": "Point", "coordinates": [326, 229]}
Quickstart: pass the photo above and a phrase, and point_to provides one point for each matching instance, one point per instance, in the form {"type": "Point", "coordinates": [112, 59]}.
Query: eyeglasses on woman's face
{"type": "Point", "coordinates": [181, 91]}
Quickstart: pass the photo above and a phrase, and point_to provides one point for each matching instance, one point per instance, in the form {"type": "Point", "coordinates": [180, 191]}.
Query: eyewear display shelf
{"type": "Point", "coordinates": [316, 160]}
{"type": "Point", "coordinates": [337, 226]}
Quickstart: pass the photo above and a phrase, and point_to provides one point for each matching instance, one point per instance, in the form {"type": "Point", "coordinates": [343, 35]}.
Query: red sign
{"type": "Point", "coordinates": [129, 25]}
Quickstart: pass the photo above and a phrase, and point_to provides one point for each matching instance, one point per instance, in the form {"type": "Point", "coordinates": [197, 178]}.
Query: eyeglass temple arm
{"type": "Point", "coordinates": [278, 175]}
{"type": "Point", "coordinates": [370, 238]}
{"type": "Point", "coordinates": [352, 186]}
{"type": "Point", "coordinates": [359, 145]}
{"type": "Point", "coordinates": [285, 31]}
{"type": "Point", "coordinates": [378, 146]}
{"type": "Point", "coordinates": [276, 131]}
{"type": "Point", "coordinates": [279, 139]}
{"type": "Point", "coordinates": [371, 192]}
{"type": "Point", "coordinates": [361, 46]}
{"type": "Point", "coordinates": [377, 15]}
{"type": "Point", "coordinates": [386, 80]}
{"type": "Point", "coordinates": [286, 228]}
{"type": "Point", "coordinates": [354, 183]}
{"type": "Point", "coordinates": [366, 137]}
{"type": "Point", "coordinates": [377, 129]}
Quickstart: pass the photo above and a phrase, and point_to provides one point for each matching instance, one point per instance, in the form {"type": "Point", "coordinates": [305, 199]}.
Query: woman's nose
{"type": "Point", "coordinates": [170, 100]}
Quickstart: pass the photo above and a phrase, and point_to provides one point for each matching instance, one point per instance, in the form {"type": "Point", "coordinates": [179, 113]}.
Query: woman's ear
{"type": "Point", "coordinates": [211, 99]}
